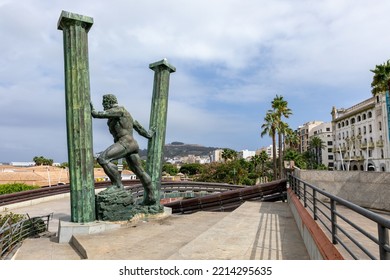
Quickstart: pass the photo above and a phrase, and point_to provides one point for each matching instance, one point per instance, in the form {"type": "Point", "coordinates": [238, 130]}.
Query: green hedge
{"type": "Point", "coordinates": [15, 187]}
{"type": "Point", "coordinates": [13, 218]}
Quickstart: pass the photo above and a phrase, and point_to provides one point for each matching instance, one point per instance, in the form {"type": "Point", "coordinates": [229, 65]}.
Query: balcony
{"type": "Point", "coordinates": [357, 158]}
{"type": "Point", "coordinates": [379, 143]}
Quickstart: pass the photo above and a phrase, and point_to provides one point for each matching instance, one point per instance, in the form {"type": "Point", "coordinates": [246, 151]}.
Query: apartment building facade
{"type": "Point", "coordinates": [361, 135]}
{"type": "Point", "coordinates": [305, 131]}
{"type": "Point", "coordinates": [324, 132]}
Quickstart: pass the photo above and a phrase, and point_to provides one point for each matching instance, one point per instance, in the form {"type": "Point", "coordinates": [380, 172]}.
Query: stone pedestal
{"type": "Point", "coordinates": [119, 205]}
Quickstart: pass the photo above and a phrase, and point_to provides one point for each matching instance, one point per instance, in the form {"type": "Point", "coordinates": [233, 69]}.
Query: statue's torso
{"type": "Point", "coordinates": [121, 127]}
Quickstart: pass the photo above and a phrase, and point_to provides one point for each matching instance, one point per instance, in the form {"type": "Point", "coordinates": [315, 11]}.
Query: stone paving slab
{"type": "Point", "coordinates": [147, 240]}
{"type": "Point", "coordinates": [256, 230]}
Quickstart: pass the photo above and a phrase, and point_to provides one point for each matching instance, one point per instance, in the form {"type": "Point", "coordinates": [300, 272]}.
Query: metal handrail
{"type": "Point", "coordinates": [300, 188]}
{"type": "Point", "coordinates": [12, 233]}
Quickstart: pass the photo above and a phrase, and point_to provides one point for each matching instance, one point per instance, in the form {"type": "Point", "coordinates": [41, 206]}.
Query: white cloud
{"type": "Point", "coordinates": [231, 56]}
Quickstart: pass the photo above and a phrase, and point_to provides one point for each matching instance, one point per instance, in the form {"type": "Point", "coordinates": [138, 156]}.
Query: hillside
{"type": "Point", "coordinates": [179, 149]}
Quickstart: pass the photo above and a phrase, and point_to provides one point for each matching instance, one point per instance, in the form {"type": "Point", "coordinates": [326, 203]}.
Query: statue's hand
{"type": "Point", "coordinates": [92, 109]}
{"type": "Point", "coordinates": [152, 132]}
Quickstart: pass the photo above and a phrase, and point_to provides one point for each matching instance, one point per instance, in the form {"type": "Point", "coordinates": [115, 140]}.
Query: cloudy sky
{"type": "Point", "coordinates": [232, 57]}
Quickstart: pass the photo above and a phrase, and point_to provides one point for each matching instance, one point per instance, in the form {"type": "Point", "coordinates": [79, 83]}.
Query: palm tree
{"type": "Point", "coordinates": [269, 127]}
{"type": "Point", "coordinates": [292, 139]}
{"type": "Point", "coordinates": [263, 157]}
{"type": "Point", "coordinates": [316, 145]}
{"type": "Point", "coordinates": [255, 161]}
{"type": "Point", "coordinates": [229, 154]}
{"type": "Point", "coordinates": [381, 80]}
{"type": "Point", "coordinates": [281, 109]}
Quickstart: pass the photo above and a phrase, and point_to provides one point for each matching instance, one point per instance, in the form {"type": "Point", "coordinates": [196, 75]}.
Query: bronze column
{"type": "Point", "coordinates": [158, 121]}
{"type": "Point", "coordinates": [78, 115]}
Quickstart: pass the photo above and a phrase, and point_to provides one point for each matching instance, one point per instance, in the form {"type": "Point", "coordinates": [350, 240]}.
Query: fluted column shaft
{"type": "Point", "coordinates": [158, 121]}
{"type": "Point", "coordinates": [78, 115]}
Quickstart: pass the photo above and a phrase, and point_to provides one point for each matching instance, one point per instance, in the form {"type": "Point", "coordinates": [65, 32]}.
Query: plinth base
{"type": "Point", "coordinates": [119, 205]}
{"type": "Point", "coordinates": [67, 229]}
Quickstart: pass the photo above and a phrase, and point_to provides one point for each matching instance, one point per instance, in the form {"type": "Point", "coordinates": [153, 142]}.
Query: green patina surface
{"type": "Point", "coordinates": [78, 115]}
{"type": "Point", "coordinates": [158, 121]}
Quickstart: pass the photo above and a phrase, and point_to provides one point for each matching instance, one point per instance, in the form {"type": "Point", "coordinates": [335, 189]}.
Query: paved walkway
{"type": "Point", "coordinates": [256, 230]}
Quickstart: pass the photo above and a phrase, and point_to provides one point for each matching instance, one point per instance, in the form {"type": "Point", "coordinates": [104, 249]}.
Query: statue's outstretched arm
{"type": "Point", "coordinates": [142, 131]}
{"type": "Point", "coordinates": [110, 113]}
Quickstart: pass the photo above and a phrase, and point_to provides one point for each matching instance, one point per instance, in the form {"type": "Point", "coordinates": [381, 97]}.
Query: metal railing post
{"type": "Point", "coordinates": [314, 204]}
{"type": "Point", "coordinates": [304, 195]}
{"type": "Point", "coordinates": [383, 238]}
{"type": "Point", "coordinates": [333, 220]}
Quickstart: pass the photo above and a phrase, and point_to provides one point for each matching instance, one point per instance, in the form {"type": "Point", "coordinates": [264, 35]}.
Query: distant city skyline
{"type": "Point", "coordinates": [232, 58]}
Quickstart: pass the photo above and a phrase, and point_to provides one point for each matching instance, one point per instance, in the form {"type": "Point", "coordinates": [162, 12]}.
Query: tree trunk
{"type": "Point", "coordinates": [274, 156]}
{"type": "Point", "coordinates": [280, 140]}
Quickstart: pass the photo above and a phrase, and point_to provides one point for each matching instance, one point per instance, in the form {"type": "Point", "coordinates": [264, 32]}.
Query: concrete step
{"type": "Point", "coordinates": [46, 248]}
{"type": "Point", "coordinates": [146, 240]}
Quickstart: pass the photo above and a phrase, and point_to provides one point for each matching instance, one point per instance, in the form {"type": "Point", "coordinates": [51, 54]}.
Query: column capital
{"type": "Point", "coordinates": [162, 64]}
{"type": "Point", "coordinates": [67, 18]}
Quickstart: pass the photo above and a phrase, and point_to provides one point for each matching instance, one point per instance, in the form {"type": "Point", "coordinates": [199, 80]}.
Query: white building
{"type": "Point", "coordinates": [216, 156]}
{"type": "Point", "coordinates": [305, 131]}
{"type": "Point", "coordinates": [324, 132]}
{"type": "Point", "coordinates": [361, 135]}
{"type": "Point", "coordinates": [245, 154]}
{"type": "Point", "coordinates": [268, 150]}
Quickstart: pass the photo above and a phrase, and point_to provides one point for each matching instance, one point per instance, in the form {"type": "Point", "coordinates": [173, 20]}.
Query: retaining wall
{"type": "Point", "coordinates": [366, 189]}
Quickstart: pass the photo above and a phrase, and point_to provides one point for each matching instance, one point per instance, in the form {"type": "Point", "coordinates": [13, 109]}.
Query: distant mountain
{"type": "Point", "coordinates": [180, 149]}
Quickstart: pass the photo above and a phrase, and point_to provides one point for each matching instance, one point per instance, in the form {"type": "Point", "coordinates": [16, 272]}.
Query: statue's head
{"type": "Point", "coordinates": [109, 100]}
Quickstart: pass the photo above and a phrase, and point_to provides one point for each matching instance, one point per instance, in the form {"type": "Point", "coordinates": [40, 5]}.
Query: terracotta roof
{"type": "Point", "coordinates": [39, 175]}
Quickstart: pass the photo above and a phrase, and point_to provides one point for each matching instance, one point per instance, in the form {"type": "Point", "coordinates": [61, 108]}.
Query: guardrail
{"type": "Point", "coordinates": [12, 233]}
{"type": "Point", "coordinates": [327, 214]}
{"type": "Point", "coordinates": [11, 198]}
{"type": "Point", "coordinates": [231, 199]}
{"type": "Point", "coordinates": [133, 185]}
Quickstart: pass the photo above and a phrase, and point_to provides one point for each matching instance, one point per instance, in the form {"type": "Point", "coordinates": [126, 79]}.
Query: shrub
{"type": "Point", "coordinates": [15, 187]}
{"type": "Point", "coordinates": [12, 218]}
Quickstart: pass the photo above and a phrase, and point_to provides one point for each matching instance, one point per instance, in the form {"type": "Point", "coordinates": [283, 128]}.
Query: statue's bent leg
{"type": "Point", "coordinates": [134, 162]}
{"type": "Point", "coordinates": [113, 152]}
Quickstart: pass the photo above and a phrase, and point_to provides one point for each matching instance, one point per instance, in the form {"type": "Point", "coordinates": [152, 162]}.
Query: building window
{"type": "Point", "coordinates": [330, 157]}
{"type": "Point", "coordinates": [330, 150]}
{"type": "Point", "coordinates": [369, 115]}
{"type": "Point", "coordinates": [328, 129]}
{"type": "Point", "coordinates": [380, 125]}
{"type": "Point", "coordinates": [339, 125]}
{"type": "Point", "coordinates": [359, 131]}
{"type": "Point", "coordinates": [364, 116]}
{"type": "Point", "coordinates": [364, 130]}
{"type": "Point", "coordinates": [352, 120]}
{"type": "Point", "coordinates": [342, 124]}
{"type": "Point", "coordinates": [346, 122]}
{"type": "Point", "coordinates": [370, 128]}
{"type": "Point", "coordinates": [359, 118]}
{"type": "Point", "coordinates": [330, 143]}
